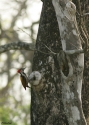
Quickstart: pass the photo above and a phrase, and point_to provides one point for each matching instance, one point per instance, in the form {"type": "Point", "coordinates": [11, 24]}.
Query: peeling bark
{"type": "Point", "coordinates": [72, 83]}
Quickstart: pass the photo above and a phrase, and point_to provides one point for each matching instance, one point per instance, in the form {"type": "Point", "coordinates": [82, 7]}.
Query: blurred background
{"type": "Point", "coordinates": [19, 21]}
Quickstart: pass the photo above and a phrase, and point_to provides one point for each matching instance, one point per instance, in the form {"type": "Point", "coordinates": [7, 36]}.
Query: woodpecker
{"type": "Point", "coordinates": [35, 78]}
{"type": "Point", "coordinates": [23, 78]}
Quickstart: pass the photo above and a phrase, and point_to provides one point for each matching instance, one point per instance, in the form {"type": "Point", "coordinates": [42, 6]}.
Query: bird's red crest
{"type": "Point", "coordinates": [18, 70]}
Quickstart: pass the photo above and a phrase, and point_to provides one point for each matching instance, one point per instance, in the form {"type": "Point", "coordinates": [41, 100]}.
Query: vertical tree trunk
{"type": "Point", "coordinates": [85, 88]}
{"type": "Point", "coordinates": [46, 104]}
{"type": "Point", "coordinates": [60, 95]}
{"type": "Point", "coordinates": [71, 43]}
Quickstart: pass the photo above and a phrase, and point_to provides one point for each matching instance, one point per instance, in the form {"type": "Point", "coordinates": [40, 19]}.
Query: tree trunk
{"type": "Point", "coordinates": [71, 43]}
{"type": "Point", "coordinates": [60, 95]}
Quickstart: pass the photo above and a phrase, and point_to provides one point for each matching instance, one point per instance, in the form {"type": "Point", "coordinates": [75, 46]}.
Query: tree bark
{"type": "Point", "coordinates": [85, 87]}
{"type": "Point", "coordinates": [72, 83]}
{"type": "Point", "coordinates": [58, 102]}
{"type": "Point", "coordinates": [46, 104]}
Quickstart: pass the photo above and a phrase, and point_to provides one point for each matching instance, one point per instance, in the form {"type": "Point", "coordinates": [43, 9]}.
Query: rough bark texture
{"type": "Point", "coordinates": [47, 107]}
{"type": "Point", "coordinates": [85, 87]}
{"type": "Point", "coordinates": [46, 104]}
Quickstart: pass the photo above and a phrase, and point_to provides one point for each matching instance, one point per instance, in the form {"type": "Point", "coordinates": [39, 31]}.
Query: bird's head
{"type": "Point", "coordinates": [20, 70]}
{"type": "Point", "coordinates": [34, 78]}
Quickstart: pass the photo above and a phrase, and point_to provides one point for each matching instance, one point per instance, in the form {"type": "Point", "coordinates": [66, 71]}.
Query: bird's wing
{"type": "Point", "coordinates": [23, 81]}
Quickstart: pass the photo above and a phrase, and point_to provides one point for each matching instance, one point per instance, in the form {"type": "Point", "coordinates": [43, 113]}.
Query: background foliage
{"type": "Point", "coordinates": [18, 22]}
